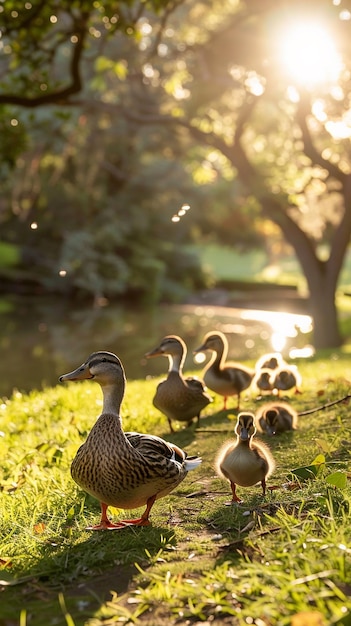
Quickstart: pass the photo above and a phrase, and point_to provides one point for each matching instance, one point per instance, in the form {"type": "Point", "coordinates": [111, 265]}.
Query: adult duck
{"type": "Point", "coordinates": [126, 470]}
{"type": "Point", "coordinates": [225, 378]}
{"type": "Point", "coordinates": [181, 399]}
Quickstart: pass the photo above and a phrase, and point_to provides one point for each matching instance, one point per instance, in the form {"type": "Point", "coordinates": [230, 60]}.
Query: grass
{"type": "Point", "coordinates": [262, 562]}
{"type": "Point", "coordinates": [226, 263]}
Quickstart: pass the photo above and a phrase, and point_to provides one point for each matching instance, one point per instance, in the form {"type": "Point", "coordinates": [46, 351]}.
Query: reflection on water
{"type": "Point", "coordinates": [42, 339]}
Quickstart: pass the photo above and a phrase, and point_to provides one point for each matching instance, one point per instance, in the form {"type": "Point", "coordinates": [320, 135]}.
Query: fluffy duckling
{"type": "Point", "coordinates": [269, 361]}
{"type": "Point", "coordinates": [262, 381]}
{"type": "Point", "coordinates": [245, 462]}
{"type": "Point", "coordinates": [274, 418]}
{"type": "Point", "coordinates": [122, 469]}
{"type": "Point", "coordinates": [285, 378]}
{"type": "Point", "coordinates": [225, 378]}
{"type": "Point", "coordinates": [177, 397]}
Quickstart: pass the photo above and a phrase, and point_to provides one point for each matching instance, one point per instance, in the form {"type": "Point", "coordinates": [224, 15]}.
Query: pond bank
{"type": "Point", "coordinates": [41, 338]}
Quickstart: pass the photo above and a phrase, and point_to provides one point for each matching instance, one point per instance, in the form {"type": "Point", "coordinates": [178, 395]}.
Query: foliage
{"type": "Point", "coordinates": [200, 560]}
{"type": "Point", "coordinates": [258, 150]}
{"type": "Point", "coordinates": [102, 227]}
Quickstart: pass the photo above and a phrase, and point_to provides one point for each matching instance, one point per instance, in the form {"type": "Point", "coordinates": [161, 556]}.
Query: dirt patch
{"type": "Point", "coordinates": [117, 578]}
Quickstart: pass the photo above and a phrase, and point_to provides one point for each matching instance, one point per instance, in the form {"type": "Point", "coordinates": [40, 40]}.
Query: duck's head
{"type": "Point", "coordinates": [171, 345]}
{"type": "Point", "coordinates": [265, 376]}
{"type": "Point", "coordinates": [285, 376]}
{"type": "Point", "coordinates": [270, 361]}
{"type": "Point", "coordinates": [104, 367]}
{"type": "Point", "coordinates": [245, 427]}
{"type": "Point", "coordinates": [271, 417]}
{"type": "Point", "coordinates": [214, 341]}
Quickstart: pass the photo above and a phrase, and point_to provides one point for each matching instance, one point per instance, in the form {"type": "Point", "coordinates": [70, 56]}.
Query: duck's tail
{"type": "Point", "coordinates": [192, 462]}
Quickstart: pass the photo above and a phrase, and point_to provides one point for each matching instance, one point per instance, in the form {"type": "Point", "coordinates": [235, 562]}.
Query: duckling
{"type": "Point", "coordinates": [262, 381]}
{"type": "Point", "coordinates": [126, 470]}
{"type": "Point", "coordinates": [224, 378]}
{"type": "Point", "coordinates": [269, 361]}
{"type": "Point", "coordinates": [274, 418]}
{"type": "Point", "coordinates": [177, 397]}
{"type": "Point", "coordinates": [245, 462]}
{"type": "Point", "coordinates": [285, 378]}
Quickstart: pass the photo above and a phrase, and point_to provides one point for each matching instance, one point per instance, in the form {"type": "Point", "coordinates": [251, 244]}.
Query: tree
{"type": "Point", "coordinates": [87, 185]}
{"type": "Point", "coordinates": [212, 72]}
{"type": "Point", "coordinates": [287, 141]}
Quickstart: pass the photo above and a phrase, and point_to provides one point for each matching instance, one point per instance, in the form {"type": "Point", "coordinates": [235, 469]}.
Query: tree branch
{"type": "Point", "coordinates": [303, 110]}
{"type": "Point", "coordinates": [61, 96]}
{"type": "Point", "coordinates": [340, 239]}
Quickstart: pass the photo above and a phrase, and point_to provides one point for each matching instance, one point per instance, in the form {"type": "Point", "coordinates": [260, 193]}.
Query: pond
{"type": "Point", "coordinates": [40, 339]}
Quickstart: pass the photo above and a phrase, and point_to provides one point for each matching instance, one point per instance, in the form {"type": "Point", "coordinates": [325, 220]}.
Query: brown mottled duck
{"type": "Point", "coordinates": [126, 470]}
{"type": "Point", "coordinates": [224, 377]}
{"type": "Point", "coordinates": [178, 398]}
{"type": "Point", "coordinates": [244, 462]}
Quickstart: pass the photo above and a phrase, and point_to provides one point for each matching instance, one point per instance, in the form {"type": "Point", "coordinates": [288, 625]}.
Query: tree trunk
{"type": "Point", "coordinates": [322, 276]}
{"type": "Point", "coordinates": [326, 333]}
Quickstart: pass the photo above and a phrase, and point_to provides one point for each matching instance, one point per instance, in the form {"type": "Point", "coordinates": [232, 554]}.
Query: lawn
{"type": "Point", "coordinates": [225, 263]}
{"type": "Point", "coordinates": [275, 560]}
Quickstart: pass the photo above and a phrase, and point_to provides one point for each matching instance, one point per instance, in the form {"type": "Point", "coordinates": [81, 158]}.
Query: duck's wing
{"type": "Point", "coordinates": [195, 384]}
{"type": "Point", "coordinates": [149, 445]}
{"type": "Point", "coordinates": [238, 374]}
{"type": "Point", "coordinates": [154, 448]}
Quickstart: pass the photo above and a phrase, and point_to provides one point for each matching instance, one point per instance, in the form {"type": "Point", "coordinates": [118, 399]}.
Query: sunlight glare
{"type": "Point", "coordinates": [199, 358]}
{"type": "Point", "coordinates": [302, 353]}
{"type": "Point", "coordinates": [278, 341]}
{"type": "Point", "coordinates": [309, 54]}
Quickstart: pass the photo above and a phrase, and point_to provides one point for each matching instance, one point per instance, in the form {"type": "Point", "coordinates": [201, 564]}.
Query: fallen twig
{"type": "Point", "coordinates": [325, 406]}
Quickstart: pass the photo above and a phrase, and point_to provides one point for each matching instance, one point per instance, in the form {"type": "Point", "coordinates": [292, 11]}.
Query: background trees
{"type": "Point", "coordinates": [156, 104]}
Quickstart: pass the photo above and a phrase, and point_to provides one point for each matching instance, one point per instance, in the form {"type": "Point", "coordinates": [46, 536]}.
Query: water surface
{"type": "Point", "coordinates": [41, 338]}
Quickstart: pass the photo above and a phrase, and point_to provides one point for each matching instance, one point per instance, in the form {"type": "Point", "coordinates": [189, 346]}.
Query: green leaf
{"type": "Point", "coordinates": [102, 64]}
{"type": "Point", "coordinates": [324, 445]}
{"type": "Point", "coordinates": [310, 471]}
{"type": "Point", "coordinates": [306, 472]}
{"type": "Point", "coordinates": [319, 460]}
{"type": "Point", "coordinates": [337, 479]}
{"type": "Point", "coordinates": [120, 69]}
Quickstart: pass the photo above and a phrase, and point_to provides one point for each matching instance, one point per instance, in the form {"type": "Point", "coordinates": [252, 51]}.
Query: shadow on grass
{"type": "Point", "coordinates": [79, 579]}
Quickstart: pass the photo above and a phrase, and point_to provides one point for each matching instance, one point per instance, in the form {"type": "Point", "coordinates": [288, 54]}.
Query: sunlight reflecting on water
{"type": "Point", "coordinates": [41, 339]}
{"type": "Point", "coordinates": [284, 326]}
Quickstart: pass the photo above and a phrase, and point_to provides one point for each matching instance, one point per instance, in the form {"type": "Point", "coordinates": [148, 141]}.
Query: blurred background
{"type": "Point", "coordinates": [172, 167]}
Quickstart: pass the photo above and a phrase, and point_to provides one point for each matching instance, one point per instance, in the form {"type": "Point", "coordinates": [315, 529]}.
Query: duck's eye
{"type": "Point", "coordinates": [104, 360]}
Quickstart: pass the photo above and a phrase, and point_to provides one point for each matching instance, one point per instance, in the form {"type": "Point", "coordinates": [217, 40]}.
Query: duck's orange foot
{"type": "Point", "coordinates": [141, 521]}
{"type": "Point", "coordinates": [232, 502]}
{"type": "Point", "coordinates": [107, 525]}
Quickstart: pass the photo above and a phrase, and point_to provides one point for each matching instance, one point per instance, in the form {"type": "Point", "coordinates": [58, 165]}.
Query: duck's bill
{"type": "Point", "coordinates": [81, 373]}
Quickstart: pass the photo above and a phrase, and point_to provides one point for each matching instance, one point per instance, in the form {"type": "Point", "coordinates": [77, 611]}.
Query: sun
{"type": "Point", "coordinates": [308, 54]}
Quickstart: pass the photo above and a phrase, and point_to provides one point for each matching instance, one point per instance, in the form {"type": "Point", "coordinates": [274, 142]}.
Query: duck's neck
{"type": "Point", "coordinates": [175, 362]}
{"type": "Point", "coordinates": [244, 443]}
{"type": "Point", "coordinates": [112, 398]}
{"type": "Point", "coordinates": [217, 359]}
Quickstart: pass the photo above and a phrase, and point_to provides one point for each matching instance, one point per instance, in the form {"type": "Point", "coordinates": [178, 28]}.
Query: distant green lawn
{"type": "Point", "coordinates": [227, 264]}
